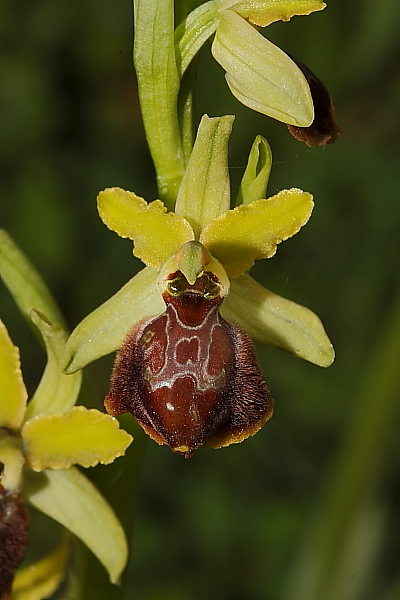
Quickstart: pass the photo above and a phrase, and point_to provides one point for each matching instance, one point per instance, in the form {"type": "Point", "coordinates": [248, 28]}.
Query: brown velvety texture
{"type": "Point", "coordinates": [14, 522]}
{"type": "Point", "coordinates": [189, 377]}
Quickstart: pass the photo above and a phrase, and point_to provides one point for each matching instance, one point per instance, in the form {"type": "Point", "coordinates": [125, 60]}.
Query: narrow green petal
{"type": "Point", "coordinates": [24, 283]}
{"type": "Point", "coordinates": [276, 321]}
{"type": "Point", "coordinates": [259, 74]}
{"type": "Point", "coordinates": [265, 12]}
{"type": "Point", "coordinates": [247, 233]}
{"type": "Point", "coordinates": [193, 31]}
{"type": "Point", "coordinates": [255, 178]}
{"type": "Point", "coordinates": [43, 577]}
{"type": "Point", "coordinates": [67, 496]}
{"type": "Point", "coordinates": [13, 395]}
{"type": "Point", "coordinates": [157, 235]}
{"type": "Point", "coordinates": [205, 190]}
{"type": "Point", "coordinates": [56, 392]}
{"type": "Point", "coordinates": [82, 436]}
{"type": "Point", "coordinates": [103, 331]}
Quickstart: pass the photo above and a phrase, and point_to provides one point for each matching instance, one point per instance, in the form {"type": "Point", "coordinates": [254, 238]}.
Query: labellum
{"type": "Point", "coordinates": [188, 376]}
{"type": "Point", "coordinates": [324, 129]}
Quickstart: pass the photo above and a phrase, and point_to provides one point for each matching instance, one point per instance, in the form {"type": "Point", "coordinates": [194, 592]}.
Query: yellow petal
{"type": "Point", "coordinates": [247, 233]}
{"type": "Point", "coordinates": [81, 436]}
{"type": "Point", "coordinates": [157, 235]}
{"type": "Point", "coordinates": [42, 578]}
{"type": "Point", "coordinates": [13, 395]}
{"type": "Point", "coordinates": [265, 12]}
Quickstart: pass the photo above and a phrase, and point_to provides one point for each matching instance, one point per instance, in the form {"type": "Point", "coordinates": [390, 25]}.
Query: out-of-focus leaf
{"type": "Point", "coordinates": [13, 394]}
{"type": "Point", "coordinates": [24, 283]}
{"type": "Point", "coordinates": [68, 497]}
{"type": "Point", "coordinates": [56, 392]}
{"type": "Point", "coordinates": [353, 479]}
{"type": "Point", "coordinates": [82, 436]}
{"type": "Point", "coordinates": [42, 578]}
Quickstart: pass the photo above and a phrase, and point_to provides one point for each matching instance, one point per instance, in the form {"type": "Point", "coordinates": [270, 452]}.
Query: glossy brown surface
{"type": "Point", "coordinates": [188, 376]}
{"type": "Point", "coordinates": [324, 129]}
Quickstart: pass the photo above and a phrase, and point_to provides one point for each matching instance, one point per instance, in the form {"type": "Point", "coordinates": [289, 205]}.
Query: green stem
{"type": "Point", "coordinates": [158, 85]}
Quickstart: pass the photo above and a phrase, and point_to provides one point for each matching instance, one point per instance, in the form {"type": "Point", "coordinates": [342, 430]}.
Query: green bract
{"type": "Point", "coordinates": [234, 237]}
{"type": "Point", "coordinates": [42, 439]}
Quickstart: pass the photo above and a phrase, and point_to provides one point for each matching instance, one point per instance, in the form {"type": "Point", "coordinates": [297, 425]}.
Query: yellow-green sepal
{"type": "Point", "coordinates": [56, 392]}
{"type": "Point", "coordinates": [42, 578]}
{"type": "Point", "coordinates": [81, 436]}
{"type": "Point", "coordinates": [193, 31]}
{"type": "Point", "coordinates": [276, 321]}
{"type": "Point", "coordinates": [13, 394]}
{"type": "Point", "coordinates": [259, 74]}
{"type": "Point", "coordinates": [156, 234]}
{"type": "Point", "coordinates": [103, 330]}
{"type": "Point", "coordinates": [68, 497]}
{"type": "Point", "coordinates": [247, 233]}
{"type": "Point", "coordinates": [255, 178]}
{"type": "Point", "coordinates": [205, 190]}
{"type": "Point", "coordinates": [265, 12]}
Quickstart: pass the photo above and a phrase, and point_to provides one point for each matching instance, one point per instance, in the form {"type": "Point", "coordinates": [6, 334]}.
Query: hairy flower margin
{"type": "Point", "coordinates": [234, 237]}
{"type": "Point", "coordinates": [40, 441]}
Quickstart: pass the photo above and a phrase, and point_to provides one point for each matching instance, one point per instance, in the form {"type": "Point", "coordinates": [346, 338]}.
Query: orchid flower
{"type": "Point", "coordinates": [41, 440]}
{"type": "Point", "coordinates": [232, 240]}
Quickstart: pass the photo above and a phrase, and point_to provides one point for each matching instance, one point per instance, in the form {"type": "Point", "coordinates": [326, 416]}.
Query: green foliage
{"type": "Point", "coordinates": [230, 524]}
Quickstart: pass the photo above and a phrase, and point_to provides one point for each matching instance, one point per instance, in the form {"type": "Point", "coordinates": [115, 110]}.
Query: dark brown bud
{"type": "Point", "coordinates": [14, 521]}
{"type": "Point", "coordinates": [324, 129]}
{"type": "Point", "coordinates": [189, 377]}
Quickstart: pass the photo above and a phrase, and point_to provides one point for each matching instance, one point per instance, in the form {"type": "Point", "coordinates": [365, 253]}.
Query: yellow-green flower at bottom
{"type": "Point", "coordinates": [39, 443]}
{"type": "Point", "coordinates": [233, 239]}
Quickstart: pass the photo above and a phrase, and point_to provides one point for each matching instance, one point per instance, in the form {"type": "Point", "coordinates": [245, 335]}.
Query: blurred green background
{"type": "Point", "coordinates": [309, 509]}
